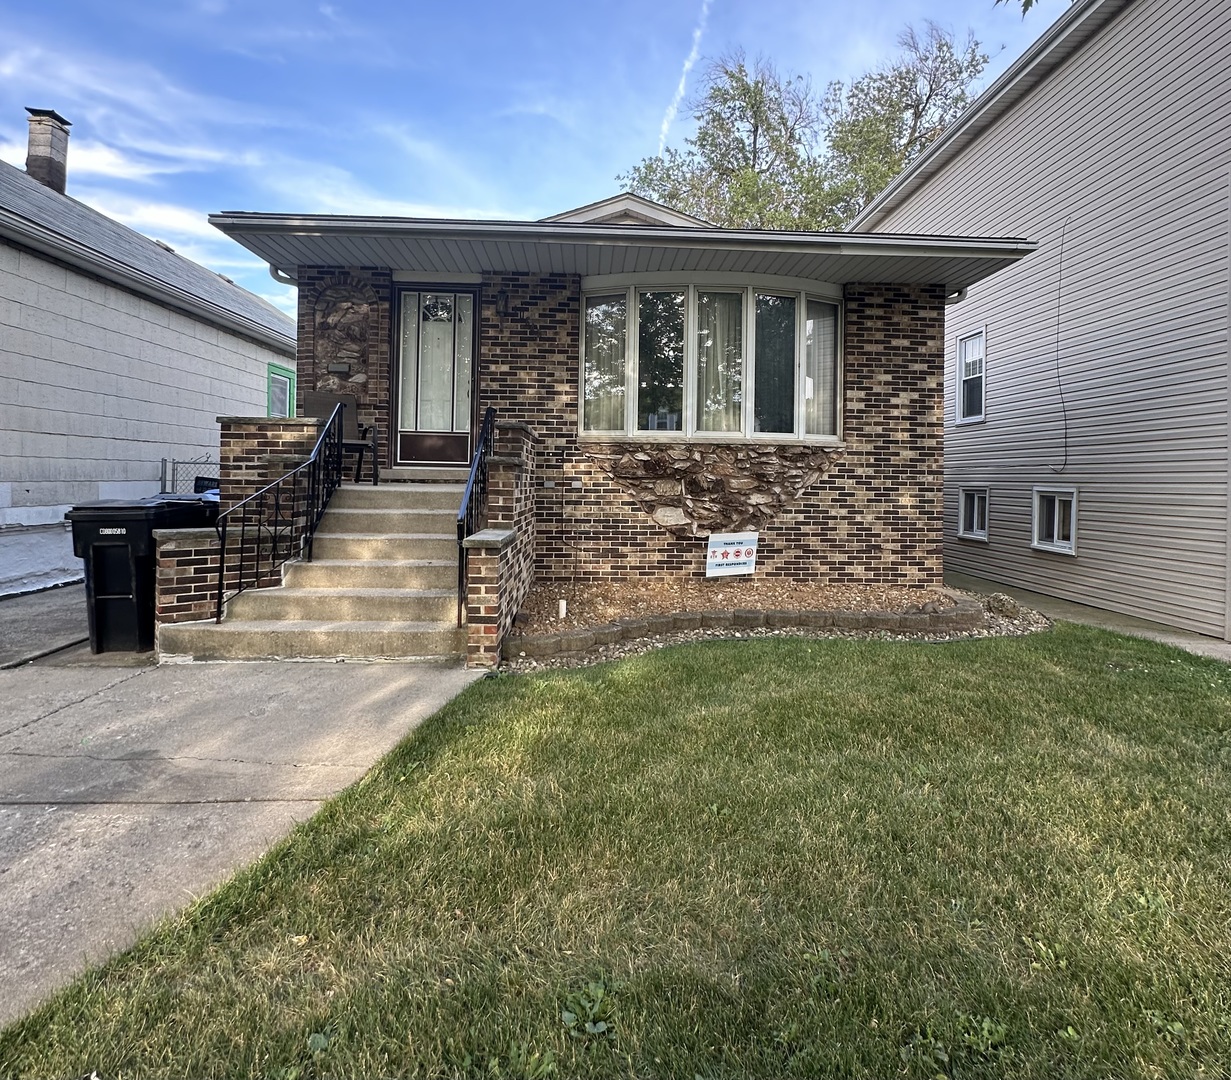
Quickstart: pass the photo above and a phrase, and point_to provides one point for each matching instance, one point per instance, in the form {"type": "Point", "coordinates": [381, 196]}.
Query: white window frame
{"type": "Point", "coordinates": [970, 530]}
{"type": "Point", "coordinates": [960, 396]}
{"type": "Point", "coordinates": [633, 284]}
{"type": "Point", "coordinates": [1063, 547]}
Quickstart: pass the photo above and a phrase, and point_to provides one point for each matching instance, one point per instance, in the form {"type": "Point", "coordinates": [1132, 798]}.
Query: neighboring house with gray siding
{"type": "Point", "coordinates": [115, 353]}
{"type": "Point", "coordinates": [1086, 409]}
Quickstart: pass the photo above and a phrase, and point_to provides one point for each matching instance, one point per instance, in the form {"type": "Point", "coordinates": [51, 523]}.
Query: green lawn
{"type": "Point", "coordinates": [787, 857]}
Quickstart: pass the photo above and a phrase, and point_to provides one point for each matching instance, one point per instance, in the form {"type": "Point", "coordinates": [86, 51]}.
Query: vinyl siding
{"type": "Point", "coordinates": [1123, 155]}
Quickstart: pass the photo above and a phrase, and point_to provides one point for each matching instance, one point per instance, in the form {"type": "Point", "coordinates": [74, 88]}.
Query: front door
{"type": "Point", "coordinates": [435, 371]}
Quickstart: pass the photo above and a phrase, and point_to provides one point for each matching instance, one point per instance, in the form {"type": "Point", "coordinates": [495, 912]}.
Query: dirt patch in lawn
{"type": "Point", "coordinates": [591, 605]}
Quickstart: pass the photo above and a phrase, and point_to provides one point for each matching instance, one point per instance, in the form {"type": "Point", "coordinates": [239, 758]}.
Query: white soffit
{"type": "Point", "coordinates": [451, 248]}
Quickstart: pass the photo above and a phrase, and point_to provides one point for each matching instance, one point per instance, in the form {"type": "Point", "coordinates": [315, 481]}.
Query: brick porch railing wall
{"type": "Point", "coordinates": [500, 558]}
{"type": "Point", "coordinates": [873, 519]}
{"type": "Point", "coordinates": [255, 451]}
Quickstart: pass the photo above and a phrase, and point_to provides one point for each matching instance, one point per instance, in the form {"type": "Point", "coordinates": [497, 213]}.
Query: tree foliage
{"type": "Point", "coordinates": [770, 153]}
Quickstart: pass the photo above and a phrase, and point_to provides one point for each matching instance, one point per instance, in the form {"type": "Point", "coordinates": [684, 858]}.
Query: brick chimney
{"type": "Point", "coordinates": [47, 157]}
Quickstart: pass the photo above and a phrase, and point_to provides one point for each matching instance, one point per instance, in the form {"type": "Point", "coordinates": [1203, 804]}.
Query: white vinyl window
{"type": "Point", "coordinates": [710, 361]}
{"type": "Point", "coordinates": [972, 513]}
{"type": "Point", "coordinates": [970, 377]}
{"type": "Point", "coordinates": [1055, 519]}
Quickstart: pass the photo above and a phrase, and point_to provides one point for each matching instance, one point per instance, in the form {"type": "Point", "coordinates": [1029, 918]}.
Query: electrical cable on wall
{"type": "Point", "coordinates": [1064, 412]}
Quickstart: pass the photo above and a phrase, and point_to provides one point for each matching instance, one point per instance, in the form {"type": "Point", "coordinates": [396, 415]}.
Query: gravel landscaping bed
{"type": "Point", "coordinates": [607, 622]}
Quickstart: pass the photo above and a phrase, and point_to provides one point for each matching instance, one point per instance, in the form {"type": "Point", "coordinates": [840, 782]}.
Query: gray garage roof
{"type": "Point", "coordinates": [58, 226]}
{"type": "Point", "coordinates": [443, 247]}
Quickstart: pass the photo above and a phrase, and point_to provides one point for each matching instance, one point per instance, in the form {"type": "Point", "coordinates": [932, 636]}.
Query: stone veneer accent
{"type": "Point", "coordinates": [342, 315]}
{"type": "Point", "coordinates": [694, 489]}
{"type": "Point", "coordinates": [342, 290]}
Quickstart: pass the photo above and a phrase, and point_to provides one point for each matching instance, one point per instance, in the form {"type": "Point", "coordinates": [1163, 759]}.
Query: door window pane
{"type": "Point", "coordinates": [660, 349]}
{"type": "Point", "coordinates": [720, 360]}
{"type": "Point", "coordinates": [821, 369]}
{"type": "Point", "coordinates": [603, 378]}
{"type": "Point", "coordinates": [409, 354]}
{"type": "Point", "coordinates": [462, 362]}
{"type": "Point", "coordinates": [774, 399]}
{"type": "Point", "coordinates": [436, 362]}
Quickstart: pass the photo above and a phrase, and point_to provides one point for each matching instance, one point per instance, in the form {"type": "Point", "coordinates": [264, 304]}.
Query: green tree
{"type": "Point", "coordinates": [885, 119]}
{"type": "Point", "coordinates": [753, 156]}
{"type": "Point", "coordinates": [768, 153]}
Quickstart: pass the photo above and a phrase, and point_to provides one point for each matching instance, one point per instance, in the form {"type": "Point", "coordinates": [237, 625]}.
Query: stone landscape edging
{"type": "Point", "coordinates": [965, 614]}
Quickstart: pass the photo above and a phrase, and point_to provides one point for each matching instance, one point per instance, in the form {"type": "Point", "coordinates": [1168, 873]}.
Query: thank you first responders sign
{"type": "Point", "coordinates": [731, 553]}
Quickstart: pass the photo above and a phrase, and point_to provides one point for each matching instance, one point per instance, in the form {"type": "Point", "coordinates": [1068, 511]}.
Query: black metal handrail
{"type": "Point", "coordinates": [474, 502]}
{"type": "Point", "coordinates": [278, 522]}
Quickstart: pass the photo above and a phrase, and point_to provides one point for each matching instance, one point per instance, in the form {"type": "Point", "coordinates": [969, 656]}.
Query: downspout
{"type": "Point", "coordinates": [951, 298]}
{"type": "Point", "coordinates": [281, 278]}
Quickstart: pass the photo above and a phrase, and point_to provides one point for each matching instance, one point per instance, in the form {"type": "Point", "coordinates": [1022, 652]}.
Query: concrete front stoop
{"type": "Point", "coordinates": [382, 584]}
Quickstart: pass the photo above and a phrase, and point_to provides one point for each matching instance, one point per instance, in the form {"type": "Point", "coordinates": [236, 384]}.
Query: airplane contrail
{"type": "Point", "coordinates": [673, 108]}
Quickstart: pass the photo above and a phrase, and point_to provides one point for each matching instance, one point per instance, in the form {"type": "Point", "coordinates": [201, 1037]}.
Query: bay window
{"type": "Point", "coordinates": [710, 361]}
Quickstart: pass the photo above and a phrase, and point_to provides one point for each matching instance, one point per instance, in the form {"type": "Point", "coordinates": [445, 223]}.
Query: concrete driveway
{"type": "Point", "coordinates": [128, 790]}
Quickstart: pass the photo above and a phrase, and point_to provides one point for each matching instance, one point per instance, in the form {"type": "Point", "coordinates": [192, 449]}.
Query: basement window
{"type": "Point", "coordinates": [972, 514]}
{"type": "Point", "coordinates": [1055, 520]}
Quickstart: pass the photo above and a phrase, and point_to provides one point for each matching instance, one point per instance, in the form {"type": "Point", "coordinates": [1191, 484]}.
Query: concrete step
{"type": "Point", "coordinates": [295, 639]}
{"type": "Point", "coordinates": [397, 496]}
{"type": "Point", "coordinates": [389, 520]}
{"type": "Point", "coordinates": [404, 546]}
{"type": "Point", "coordinates": [345, 605]}
{"type": "Point", "coordinates": [374, 573]}
{"type": "Point", "coordinates": [402, 474]}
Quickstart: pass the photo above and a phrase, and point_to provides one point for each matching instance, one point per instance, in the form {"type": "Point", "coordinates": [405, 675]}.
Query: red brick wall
{"type": "Point", "coordinates": [186, 575]}
{"type": "Point", "coordinates": [874, 518]}
{"type": "Point", "coordinates": [498, 579]}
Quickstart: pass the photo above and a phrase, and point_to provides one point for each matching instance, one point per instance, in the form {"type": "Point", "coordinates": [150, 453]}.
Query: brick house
{"type": "Point", "coordinates": [657, 379]}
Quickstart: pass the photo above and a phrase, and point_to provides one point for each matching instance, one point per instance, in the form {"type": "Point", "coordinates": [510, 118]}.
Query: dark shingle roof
{"type": "Point", "coordinates": [57, 225]}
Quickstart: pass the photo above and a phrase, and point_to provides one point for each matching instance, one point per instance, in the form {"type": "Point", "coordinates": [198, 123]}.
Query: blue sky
{"type": "Point", "coordinates": [476, 109]}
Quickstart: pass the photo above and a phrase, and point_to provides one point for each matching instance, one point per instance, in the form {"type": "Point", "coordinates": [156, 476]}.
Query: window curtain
{"type": "Point", "coordinates": [720, 360]}
{"type": "Point", "coordinates": [606, 320]}
{"type": "Point", "coordinates": [436, 335]}
{"type": "Point", "coordinates": [821, 369]}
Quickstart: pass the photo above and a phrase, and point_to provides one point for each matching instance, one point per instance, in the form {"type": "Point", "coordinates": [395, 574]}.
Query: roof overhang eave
{"type": "Point", "coordinates": [260, 234]}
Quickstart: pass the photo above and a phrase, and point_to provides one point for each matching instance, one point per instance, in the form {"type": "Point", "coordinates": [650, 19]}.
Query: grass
{"type": "Point", "coordinates": [996, 858]}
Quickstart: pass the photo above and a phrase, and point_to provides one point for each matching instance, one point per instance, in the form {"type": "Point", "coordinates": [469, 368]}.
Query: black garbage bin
{"type": "Point", "coordinates": [115, 538]}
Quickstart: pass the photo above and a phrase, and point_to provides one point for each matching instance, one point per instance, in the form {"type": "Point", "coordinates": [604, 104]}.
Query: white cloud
{"type": "Point", "coordinates": [314, 188]}
{"type": "Point", "coordinates": [165, 221]}
{"type": "Point", "coordinates": [694, 53]}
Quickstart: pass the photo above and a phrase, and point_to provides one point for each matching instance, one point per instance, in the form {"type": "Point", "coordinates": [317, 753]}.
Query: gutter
{"type": "Point", "coordinates": [44, 241]}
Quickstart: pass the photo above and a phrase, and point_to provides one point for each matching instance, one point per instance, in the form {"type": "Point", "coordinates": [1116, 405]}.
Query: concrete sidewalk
{"type": "Point", "coordinates": [36, 624]}
{"type": "Point", "coordinates": [1055, 608]}
{"type": "Point", "coordinates": [127, 791]}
